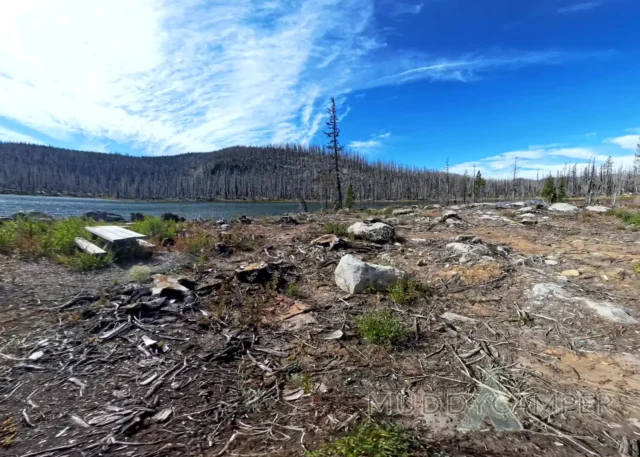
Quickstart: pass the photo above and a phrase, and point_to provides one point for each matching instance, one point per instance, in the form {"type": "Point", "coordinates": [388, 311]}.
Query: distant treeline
{"type": "Point", "coordinates": [282, 172]}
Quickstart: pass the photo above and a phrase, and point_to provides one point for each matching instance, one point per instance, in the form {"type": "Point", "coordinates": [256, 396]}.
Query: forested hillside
{"type": "Point", "coordinates": [270, 172]}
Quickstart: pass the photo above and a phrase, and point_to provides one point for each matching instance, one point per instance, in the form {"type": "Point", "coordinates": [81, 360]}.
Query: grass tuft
{"type": "Point", "coordinates": [380, 327]}
{"type": "Point", "coordinates": [85, 262]}
{"type": "Point", "coordinates": [629, 217]}
{"type": "Point", "coordinates": [337, 229]}
{"type": "Point", "coordinates": [408, 292]}
{"type": "Point", "coordinates": [370, 439]}
{"type": "Point", "coordinates": [140, 273]}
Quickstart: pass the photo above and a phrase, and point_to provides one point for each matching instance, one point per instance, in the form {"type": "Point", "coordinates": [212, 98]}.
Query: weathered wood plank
{"type": "Point", "coordinates": [89, 247]}
{"type": "Point", "coordinates": [113, 233]}
{"type": "Point", "coordinates": [145, 244]}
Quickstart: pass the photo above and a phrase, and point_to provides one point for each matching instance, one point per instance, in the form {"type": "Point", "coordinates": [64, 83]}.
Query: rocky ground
{"type": "Point", "coordinates": [521, 335]}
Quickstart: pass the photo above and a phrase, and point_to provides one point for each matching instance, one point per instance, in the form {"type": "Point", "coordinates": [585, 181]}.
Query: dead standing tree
{"type": "Point", "coordinates": [333, 132]}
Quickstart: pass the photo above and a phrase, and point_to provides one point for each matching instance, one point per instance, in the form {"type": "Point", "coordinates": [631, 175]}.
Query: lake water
{"type": "Point", "coordinates": [69, 206]}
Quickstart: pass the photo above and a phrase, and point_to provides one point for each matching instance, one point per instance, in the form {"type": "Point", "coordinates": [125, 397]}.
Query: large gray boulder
{"type": "Point", "coordinates": [564, 208]}
{"type": "Point", "coordinates": [378, 232]}
{"type": "Point", "coordinates": [104, 216]}
{"type": "Point", "coordinates": [355, 276]}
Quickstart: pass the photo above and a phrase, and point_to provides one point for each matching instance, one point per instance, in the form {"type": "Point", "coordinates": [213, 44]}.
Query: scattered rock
{"type": "Point", "coordinates": [288, 220]}
{"type": "Point", "coordinates": [32, 215]}
{"type": "Point", "coordinates": [421, 263]}
{"type": "Point", "coordinates": [551, 262]}
{"type": "Point", "coordinates": [403, 211]}
{"type": "Point", "coordinates": [221, 222]}
{"type": "Point", "coordinates": [570, 273]}
{"type": "Point", "coordinates": [172, 217]}
{"type": "Point", "coordinates": [104, 216]}
{"type": "Point", "coordinates": [244, 220]}
{"type": "Point", "coordinates": [468, 252]}
{"type": "Point", "coordinates": [597, 209]}
{"type": "Point", "coordinates": [564, 208]}
{"type": "Point", "coordinates": [225, 227]}
{"type": "Point", "coordinates": [355, 276]}
{"type": "Point", "coordinates": [377, 232]}
{"type": "Point", "coordinates": [391, 221]}
{"type": "Point", "coordinates": [223, 249]}
{"type": "Point", "coordinates": [135, 217]}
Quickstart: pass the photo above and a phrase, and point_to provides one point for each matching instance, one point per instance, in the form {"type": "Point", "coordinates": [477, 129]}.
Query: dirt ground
{"type": "Point", "coordinates": [228, 366]}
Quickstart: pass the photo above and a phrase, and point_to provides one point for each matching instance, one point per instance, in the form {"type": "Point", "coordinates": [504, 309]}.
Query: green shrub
{"type": "Point", "coordinates": [60, 238]}
{"type": "Point", "coordinates": [629, 217]}
{"type": "Point", "coordinates": [156, 227]}
{"type": "Point", "coordinates": [380, 327]}
{"type": "Point", "coordinates": [370, 439]}
{"type": "Point", "coordinates": [85, 262]}
{"type": "Point", "coordinates": [337, 229]}
{"type": "Point", "coordinates": [388, 211]}
{"type": "Point", "coordinates": [8, 232]}
{"type": "Point", "coordinates": [407, 292]}
{"type": "Point", "coordinates": [198, 243]}
{"type": "Point", "coordinates": [140, 273]}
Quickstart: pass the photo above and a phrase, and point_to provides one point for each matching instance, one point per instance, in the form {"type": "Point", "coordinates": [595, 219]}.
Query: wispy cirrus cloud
{"type": "Point", "coordinates": [372, 145]}
{"type": "Point", "coordinates": [195, 75]}
{"type": "Point", "coordinates": [579, 7]}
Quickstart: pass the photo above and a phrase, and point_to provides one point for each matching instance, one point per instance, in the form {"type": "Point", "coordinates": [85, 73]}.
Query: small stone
{"type": "Point", "coordinates": [551, 262]}
{"type": "Point", "coordinates": [570, 273]}
{"type": "Point", "coordinates": [421, 263]}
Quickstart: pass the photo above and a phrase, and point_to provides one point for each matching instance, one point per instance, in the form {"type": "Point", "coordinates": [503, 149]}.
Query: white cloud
{"type": "Point", "coordinates": [625, 141]}
{"type": "Point", "coordinates": [579, 7]}
{"type": "Point", "coordinates": [372, 145]}
{"type": "Point", "coordinates": [538, 161]}
{"type": "Point", "coordinates": [165, 76]}
{"type": "Point", "coordinates": [10, 136]}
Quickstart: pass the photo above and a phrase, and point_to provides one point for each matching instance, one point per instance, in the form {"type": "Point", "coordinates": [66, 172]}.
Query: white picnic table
{"type": "Point", "coordinates": [115, 234]}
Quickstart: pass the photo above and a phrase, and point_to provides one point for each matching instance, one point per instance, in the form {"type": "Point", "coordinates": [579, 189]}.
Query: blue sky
{"type": "Point", "coordinates": [477, 82]}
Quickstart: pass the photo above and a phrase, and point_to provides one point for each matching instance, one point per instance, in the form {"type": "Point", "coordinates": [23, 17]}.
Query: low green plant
{"type": "Point", "coordinates": [199, 243]}
{"type": "Point", "coordinates": [388, 211]}
{"type": "Point", "coordinates": [337, 229]}
{"type": "Point", "coordinates": [304, 381]}
{"type": "Point", "coordinates": [636, 267]}
{"type": "Point", "coordinates": [370, 439]}
{"type": "Point", "coordinates": [380, 327]}
{"type": "Point", "coordinates": [140, 273]}
{"type": "Point", "coordinates": [85, 262]}
{"type": "Point", "coordinates": [156, 227]}
{"type": "Point", "coordinates": [293, 290]}
{"type": "Point", "coordinates": [408, 292]}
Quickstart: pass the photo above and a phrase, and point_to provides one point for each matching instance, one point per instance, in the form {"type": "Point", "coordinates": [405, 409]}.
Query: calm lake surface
{"type": "Point", "coordinates": [69, 206]}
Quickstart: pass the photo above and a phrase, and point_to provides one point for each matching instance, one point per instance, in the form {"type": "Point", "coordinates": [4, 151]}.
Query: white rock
{"type": "Point", "coordinates": [402, 211]}
{"type": "Point", "coordinates": [355, 276]}
{"type": "Point", "coordinates": [564, 208]}
{"type": "Point", "coordinates": [597, 209]}
{"type": "Point", "coordinates": [551, 262]}
{"type": "Point", "coordinates": [378, 232]}
{"type": "Point", "coordinates": [526, 209]}
{"type": "Point", "coordinates": [605, 309]}
{"type": "Point", "coordinates": [468, 252]}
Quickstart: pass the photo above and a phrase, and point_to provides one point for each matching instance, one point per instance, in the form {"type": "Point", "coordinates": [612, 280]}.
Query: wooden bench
{"type": "Point", "coordinates": [89, 247]}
